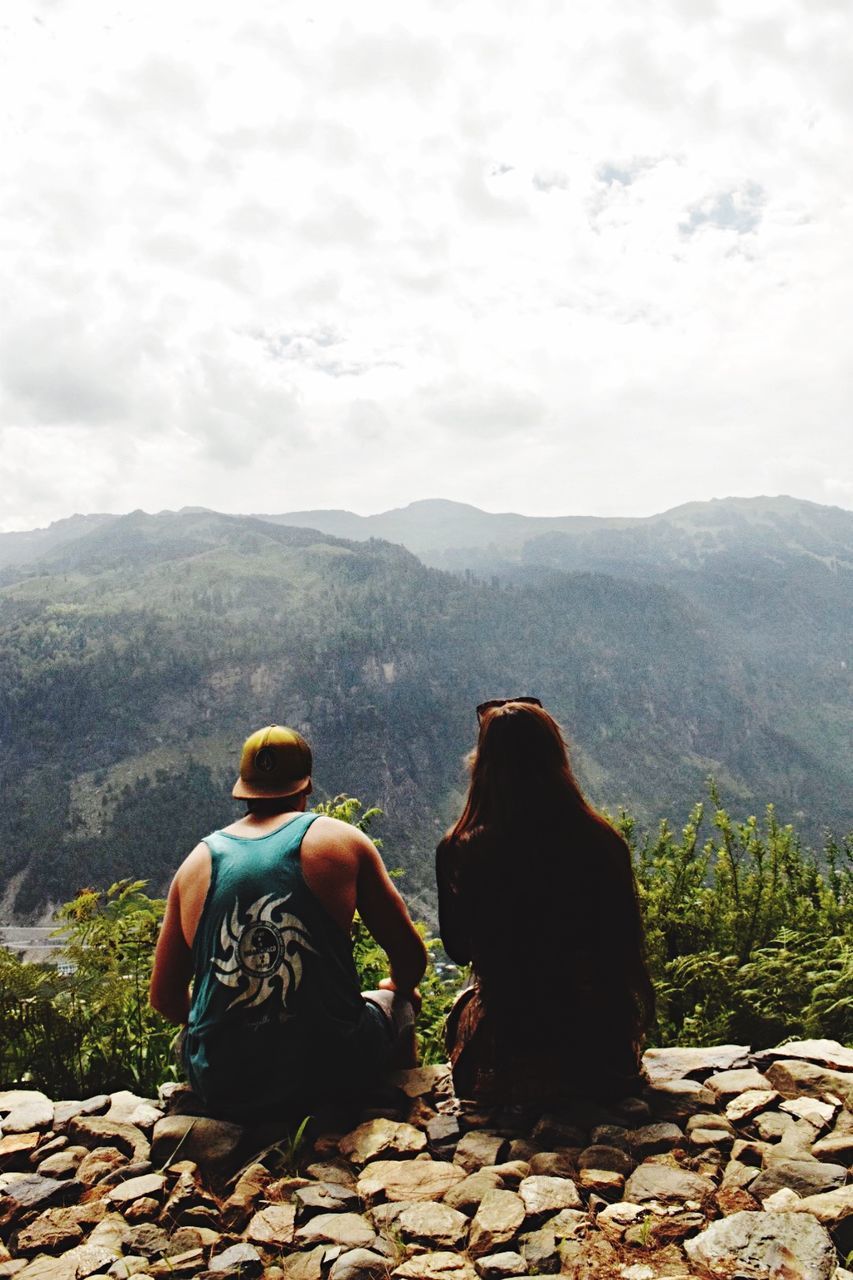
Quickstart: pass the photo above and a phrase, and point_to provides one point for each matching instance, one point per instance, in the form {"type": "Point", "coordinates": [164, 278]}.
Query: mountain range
{"type": "Point", "coordinates": [137, 651]}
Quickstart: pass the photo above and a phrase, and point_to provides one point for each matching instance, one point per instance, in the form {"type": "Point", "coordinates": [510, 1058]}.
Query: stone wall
{"type": "Point", "coordinates": [731, 1165]}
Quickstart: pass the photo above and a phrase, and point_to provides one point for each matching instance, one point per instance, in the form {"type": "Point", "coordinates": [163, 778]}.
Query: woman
{"type": "Point", "coordinates": [537, 893]}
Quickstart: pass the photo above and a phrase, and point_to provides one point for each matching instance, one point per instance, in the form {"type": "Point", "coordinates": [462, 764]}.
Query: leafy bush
{"type": "Point", "coordinates": [750, 935]}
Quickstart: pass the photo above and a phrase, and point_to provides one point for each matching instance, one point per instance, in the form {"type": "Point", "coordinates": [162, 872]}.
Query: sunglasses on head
{"type": "Point", "coordinates": [501, 702]}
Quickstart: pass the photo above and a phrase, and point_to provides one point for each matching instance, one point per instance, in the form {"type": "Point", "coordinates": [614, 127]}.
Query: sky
{"type": "Point", "coordinates": [551, 258]}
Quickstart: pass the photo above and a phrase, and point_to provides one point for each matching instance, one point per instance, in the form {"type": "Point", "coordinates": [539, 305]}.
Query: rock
{"type": "Point", "coordinates": [239, 1259]}
{"type": "Point", "coordinates": [510, 1172]}
{"type": "Point", "coordinates": [705, 1139]}
{"type": "Point", "coordinates": [63, 1112]}
{"type": "Point", "coordinates": [806, 1177]}
{"type": "Point", "coordinates": [678, 1099]}
{"type": "Point", "coordinates": [75, 1264]}
{"type": "Point", "coordinates": [748, 1152]}
{"type": "Point", "coordinates": [150, 1184]}
{"type": "Point", "coordinates": [545, 1196]}
{"type": "Point", "coordinates": [782, 1199]}
{"type": "Point", "coordinates": [773, 1125]}
{"type": "Point", "coordinates": [728, 1084]}
{"type": "Point", "coordinates": [147, 1240]}
{"type": "Point", "coordinates": [824, 1053]}
{"type": "Point", "coordinates": [17, 1147]}
{"type": "Point", "coordinates": [478, 1149]}
{"type": "Point", "coordinates": [359, 1264]}
{"type": "Point", "coordinates": [668, 1185]}
{"type": "Point", "coordinates": [541, 1252]}
{"type": "Point", "coordinates": [212, 1144]}
{"type": "Point", "coordinates": [651, 1139]}
{"type": "Point", "coordinates": [497, 1221]}
{"type": "Point", "coordinates": [733, 1200]}
{"type": "Point", "coordinates": [604, 1157]}
{"type": "Point", "coordinates": [738, 1176]}
{"type": "Point", "coordinates": [662, 1065]}
{"type": "Point", "coordinates": [62, 1164]}
{"type": "Point", "coordinates": [29, 1192]}
{"type": "Point", "coordinates": [348, 1229]}
{"type": "Point", "coordinates": [11, 1099]}
{"type": "Point", "coordinates": [273, 1225]}
{"type": "Point", "coordinates": [554, 1164]}
{"type": "Point", "coordinates": [762, 1245]}
{"type": "Point", "coordinates": [249, 1188]}
{"type": "Point", "coordinates": [419, 1081]}
{"type": "Point", "coordinates": [111, 1233]}
{"type": "Point", "coordinates": [34, 1114]}
{"type": "Point", "coordinates": [615, 1220]}
{"type": "Point", "coordinates": [407, 1180]}
{"type": "Point", "coordinates": [433, 1224]}
{"type": "Point", "coordinates": [337, 1171]}
{"type": "Point", "coordinates": [820, 1114]}
{"type": "Point", "coordinates": [709, 1120]}
{"type": "Point", "coordinates": [128, 1108]}
{"type": "Point", "coordinates": [306, 1266]}
{"type": "Point", "coordinates": [837, 1150]}
{"type": "Point", "coordinates": [749, 1103]}
{"type": "Point", "coordinates": [130, 1264]}
{"type": "Point", "coordinates": [323, 1197]}
{"type": "Point", "coordinates": [498, 1265]}
{"type": "Point", "coordinates": [591, 1259]}
{"type": "Point", "coordinates": [830, 1207]}
{"type": "Point", "coordinates": [95, 1164]}
{"type": "Point", "coordinates": [384, 1216]}
{"type": "Point", "coordinates": [604, 1182]}
{"type": "Point", "coordinates": [468, 1193]}
{"type": "Point", "coordinates": [380, 1137]}
{"type": "Point", "coordinates": [95, 1131]}
{"type": "Point", "coordinates": [53, 1230]}
{"type": "Point", "coordinates": [441, 1265]}
{"type": "Point", "coordinates": [555, 1131]}
{"type": "Point", "coordinates": [442, 1132]}
{"type": "Point", "coordinates": [792, 1078]}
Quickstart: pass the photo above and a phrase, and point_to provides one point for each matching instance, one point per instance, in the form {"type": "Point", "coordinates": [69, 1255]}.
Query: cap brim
{"type": "Point", "coordinates": [244, 791]}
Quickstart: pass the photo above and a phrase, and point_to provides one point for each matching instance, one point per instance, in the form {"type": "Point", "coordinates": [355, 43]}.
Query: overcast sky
{"type": "Point", "coordinates": [554, 258]}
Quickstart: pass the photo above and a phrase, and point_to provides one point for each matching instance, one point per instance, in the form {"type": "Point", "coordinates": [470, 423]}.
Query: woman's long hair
{"type": "Point", "coordinates": [549, 880]}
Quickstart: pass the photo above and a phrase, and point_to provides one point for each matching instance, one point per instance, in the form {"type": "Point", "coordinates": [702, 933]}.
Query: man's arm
{"type": "Point", "coordinates": [387, 918]}
{"type": "Point", "coordinates": [173, 964]}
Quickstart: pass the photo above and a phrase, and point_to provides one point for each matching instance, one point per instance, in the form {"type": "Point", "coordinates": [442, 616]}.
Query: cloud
{"type": "Point", "coordinates": [612, 243]}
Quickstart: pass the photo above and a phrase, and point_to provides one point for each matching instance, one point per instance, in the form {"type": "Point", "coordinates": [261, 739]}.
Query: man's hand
{"type": "Point", "coordinates": [388, 984]}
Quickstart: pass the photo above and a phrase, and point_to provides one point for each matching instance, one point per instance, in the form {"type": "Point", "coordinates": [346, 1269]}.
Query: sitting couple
{"type": "Point", "coordinates": [535, 891]}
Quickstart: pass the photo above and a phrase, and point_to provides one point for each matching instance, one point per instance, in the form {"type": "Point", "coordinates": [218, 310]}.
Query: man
{"type": "Point", "coordinates": [258, 920]}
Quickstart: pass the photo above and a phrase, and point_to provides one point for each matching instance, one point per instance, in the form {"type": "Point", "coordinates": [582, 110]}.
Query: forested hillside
{"type": "Point", "coordinates": [135, 656]}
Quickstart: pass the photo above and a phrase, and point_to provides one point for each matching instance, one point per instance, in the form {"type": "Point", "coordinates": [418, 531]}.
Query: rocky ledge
{"type": "Point", "coordinates": [733, 1164]}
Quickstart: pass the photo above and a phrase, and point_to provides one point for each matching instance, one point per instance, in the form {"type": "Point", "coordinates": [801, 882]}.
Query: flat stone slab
{"type": "Point", "coordinates": [728, 1084]}
{"type": "Point", "coordinates": [750, 1103]}
{"type": "Point", "coordinates": [440, 1265]}
{"type": "Point", "coordinates": [28, 1116]}
{"type": "Point", "coordinates": [150, 1184]}
{"type": "Point", "coordinates": [497, 1221]}
{"type": "Point", "coordinates": [679, 1063]}
{"type": "Point", "coordinates": [407, 1180]}
{"type": "Point", "coordinates": [419, 1081]}
{"type": "Point", "coordinates": [273, 1225]}
{"type": "Point", "coordinates": [662, 1182]}
{"type": "Point", "coordinates": [543, 1197]}
{"type": "Point", "coordinates": [381, 1138]}
{"type": "Point", "coordinates": [793, 1078]}
{"type": "Point", "coordinates": [758, 1246]}
{"type": "Point", "coordinates": [806, 1177]}
{"type": "Point", "coordinates": [824, 1053]}
{"type": "Point", "coordinates": [831, 1208]}
{"type": "Point", "coordinates": [348, 1229]}
{"type": "Point", "coordinates": [436, 1225]}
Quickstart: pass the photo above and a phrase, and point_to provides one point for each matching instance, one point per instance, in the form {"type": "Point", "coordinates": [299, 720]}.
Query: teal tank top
{"type": "Point", "coordinates": [276, 1014]}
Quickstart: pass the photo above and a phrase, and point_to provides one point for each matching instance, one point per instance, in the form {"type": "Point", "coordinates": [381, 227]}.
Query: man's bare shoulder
{"type": "Point", "coordinates": [338, 835]}
{"type": "Point", "coordinates": [195, 865]}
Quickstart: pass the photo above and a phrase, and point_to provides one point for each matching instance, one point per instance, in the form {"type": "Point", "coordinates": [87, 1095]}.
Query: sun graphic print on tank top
{"type": "Point", "coordinates": [260, 952]}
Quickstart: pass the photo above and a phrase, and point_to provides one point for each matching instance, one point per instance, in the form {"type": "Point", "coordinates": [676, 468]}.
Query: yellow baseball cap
{"type": "Point", "coordinates": [276, 761]}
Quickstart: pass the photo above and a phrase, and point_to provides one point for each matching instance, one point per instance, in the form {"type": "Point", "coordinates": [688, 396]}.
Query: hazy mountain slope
{"type": "Point", "coordinates": [134, 661]}
{"type": "Point", "coordinates": [18, 548]}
